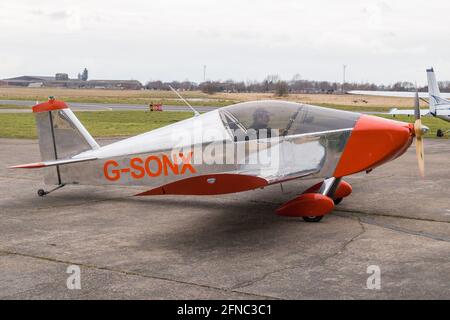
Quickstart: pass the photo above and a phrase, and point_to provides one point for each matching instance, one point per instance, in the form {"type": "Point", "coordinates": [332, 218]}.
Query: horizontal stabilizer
{"type": "Point", "coordinates": [44, 164]}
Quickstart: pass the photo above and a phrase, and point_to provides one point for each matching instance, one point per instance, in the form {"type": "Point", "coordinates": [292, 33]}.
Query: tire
{"type": "Point", "coordinates": [440, 133]}
{"type": "Point", "coordinates": [313, 218]}
{"type": "Point", "coordinates": [41, 192]}
{"type": "Point", "coordinates": [337, 201]}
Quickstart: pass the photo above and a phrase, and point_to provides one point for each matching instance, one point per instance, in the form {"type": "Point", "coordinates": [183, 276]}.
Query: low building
{"type": "Point", "coordinates": [25, 81]}
{"type": "Point", "coordinates": [114, 84]}
{"type": "Point", "coordinates": [62, 76]}
{"type": "Point", "coordinates": [61, 80]}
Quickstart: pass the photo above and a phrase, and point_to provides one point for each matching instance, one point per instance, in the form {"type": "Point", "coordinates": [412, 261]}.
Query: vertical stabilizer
{"type": "Point", "coordinates": [433, 91]}
{"type": "Point", "coordinates": [61, 135]}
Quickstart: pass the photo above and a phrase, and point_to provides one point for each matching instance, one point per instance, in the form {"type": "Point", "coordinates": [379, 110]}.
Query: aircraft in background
{"type": "Point", "coordinates": [232, 149]}
{"type": "Point", "coordinates": [439, 107]}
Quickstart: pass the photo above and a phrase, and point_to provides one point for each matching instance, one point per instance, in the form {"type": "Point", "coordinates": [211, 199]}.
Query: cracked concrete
{"type": "Point", "coordinates": [230, 246]}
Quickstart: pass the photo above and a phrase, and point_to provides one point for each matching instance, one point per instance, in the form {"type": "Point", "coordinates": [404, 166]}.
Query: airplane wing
{"type": "Point", "coordinates": [407, 112]}
{"type": "Point", "coordinates": [397, 94]}
{"type": "Point", "coordinates": [443, 112]}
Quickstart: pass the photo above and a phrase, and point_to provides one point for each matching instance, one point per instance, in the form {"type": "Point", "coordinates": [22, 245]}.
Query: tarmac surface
{"type": "Point", "coordinates": [78, 106]}
{"type": "Point", "coordinates": [231, 246]}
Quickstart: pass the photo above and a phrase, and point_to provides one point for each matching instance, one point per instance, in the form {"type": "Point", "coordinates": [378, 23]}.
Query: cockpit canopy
{"type": "Point", "coordinates": [284, 118]}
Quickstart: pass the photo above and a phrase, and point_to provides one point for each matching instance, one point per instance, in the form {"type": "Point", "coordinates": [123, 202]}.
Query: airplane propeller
{"type": "Point", "coordinates": [419, 131]}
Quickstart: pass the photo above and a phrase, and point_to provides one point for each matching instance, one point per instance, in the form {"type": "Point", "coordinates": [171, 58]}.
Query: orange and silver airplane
{"type": "Point", "coordinates": [236, 148]}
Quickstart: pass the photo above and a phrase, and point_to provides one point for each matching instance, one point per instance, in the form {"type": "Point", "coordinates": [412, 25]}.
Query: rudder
{"type": "Point", "coordinates": [61, 135]}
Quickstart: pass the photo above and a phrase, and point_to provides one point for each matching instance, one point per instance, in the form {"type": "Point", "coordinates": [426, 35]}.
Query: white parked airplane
{"type": "Point", "coordinates": [438, 106]}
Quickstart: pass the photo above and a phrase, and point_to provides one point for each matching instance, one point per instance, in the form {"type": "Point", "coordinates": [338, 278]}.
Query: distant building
{"type": "Point", "coordinates": [25, 81]}
{"type": "Point", "coordinates": [114, 84]}
{"type": "Point", "coordinates": [62, 76]}
{"type": "Point", "coordinates": [61, 80]}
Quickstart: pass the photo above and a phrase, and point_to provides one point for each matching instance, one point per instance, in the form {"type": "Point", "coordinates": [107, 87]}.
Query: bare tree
{"type": "Point", "coordinates": [281, 88]}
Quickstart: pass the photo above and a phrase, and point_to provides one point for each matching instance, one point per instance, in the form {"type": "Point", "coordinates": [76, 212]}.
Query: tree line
{"type": "Point", "coordinates": [273, 84]}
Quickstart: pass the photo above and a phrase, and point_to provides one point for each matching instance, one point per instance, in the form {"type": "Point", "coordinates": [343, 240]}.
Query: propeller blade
{"type": "Point", "coordinates": [419, 131]}
{"type": "Point", "coordinates": [420, 156]}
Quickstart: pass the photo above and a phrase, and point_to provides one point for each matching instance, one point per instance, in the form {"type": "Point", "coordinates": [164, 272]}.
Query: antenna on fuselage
{"type": "Point", "coordinates": [196, 113]}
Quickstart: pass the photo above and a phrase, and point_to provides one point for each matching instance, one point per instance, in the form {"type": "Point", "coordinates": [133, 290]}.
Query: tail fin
{"type": "Point", "coordinates": [61, 135]}
{"type": "Point", "coordinates": [433, 92]}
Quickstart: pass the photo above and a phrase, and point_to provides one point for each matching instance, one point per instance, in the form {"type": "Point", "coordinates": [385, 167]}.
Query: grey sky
{"type": "Point", "coordinates": [380, 41]}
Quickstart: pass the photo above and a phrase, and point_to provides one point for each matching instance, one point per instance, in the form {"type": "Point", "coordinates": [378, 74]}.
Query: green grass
{"type": "Point", "coordinates": [431, 122]}
{"type": "Point", "coordinates": [98, 123]}
{"type": "Point", "coordinates": [128, 123]}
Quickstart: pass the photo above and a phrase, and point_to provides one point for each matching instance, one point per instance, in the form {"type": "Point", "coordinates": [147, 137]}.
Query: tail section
{"type": "Point", "coordinates": [434, 92]}
{"type": "Point", "coordinates": [61, 136]}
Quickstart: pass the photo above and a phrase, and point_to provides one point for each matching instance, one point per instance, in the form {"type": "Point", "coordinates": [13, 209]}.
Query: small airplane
{"type": "Point", "coordinates": [438, 106]}
{"type": "Point", "coordinates": [236, 148]}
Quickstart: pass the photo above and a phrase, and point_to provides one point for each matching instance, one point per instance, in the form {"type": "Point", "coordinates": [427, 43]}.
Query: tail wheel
{"type": "Point", "coordinates": [440, 133]}
{"type": "Point", "coordinates": [313, 218]}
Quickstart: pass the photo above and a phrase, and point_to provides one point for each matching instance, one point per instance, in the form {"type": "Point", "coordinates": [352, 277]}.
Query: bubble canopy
{"type": "Point", "coordinates": [287, 118]}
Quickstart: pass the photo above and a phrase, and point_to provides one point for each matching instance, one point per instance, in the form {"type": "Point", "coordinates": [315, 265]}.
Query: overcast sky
{"type": "Point", "coordinates": [380, 41]}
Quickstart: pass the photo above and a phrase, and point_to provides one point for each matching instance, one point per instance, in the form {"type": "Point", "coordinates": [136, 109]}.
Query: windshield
{"type": "Point", "coordinates": [285, 118]}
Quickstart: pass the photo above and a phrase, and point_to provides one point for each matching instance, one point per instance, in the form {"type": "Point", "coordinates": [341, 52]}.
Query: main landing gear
{"type": "Point", "coordinates": [317, 201]}
{"type": "Point", "coordinates": [313, 218]}
{"type": "Point", "coordinates": [42, 192]}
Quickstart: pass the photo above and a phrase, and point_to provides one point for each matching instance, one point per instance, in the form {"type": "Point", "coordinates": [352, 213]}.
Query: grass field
{"type": "Point", "coordinates": [127, 123]}
{"type": "Point", "coordinates": [197, 98]}
{"type": "Point", "coordinates": [99, 124]}
{"type": "Point", "coordinates": [431, 122]}
{"type": "Point", "coordinates": [143, 97]}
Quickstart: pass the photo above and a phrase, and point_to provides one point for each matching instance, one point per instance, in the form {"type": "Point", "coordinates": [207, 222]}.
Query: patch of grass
{"type": "Point", "coordinates": [119, 123]}
{"type": "Point", "coordinates": [98, 123]}
{"type": "Point", "coordinates": [17, 125]}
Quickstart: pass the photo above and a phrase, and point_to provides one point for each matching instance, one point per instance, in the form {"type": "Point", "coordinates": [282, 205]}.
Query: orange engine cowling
{"type": "Point", "coordinates": [307, 205]}
{"type": "Point", "coordinates": [373, 141]}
